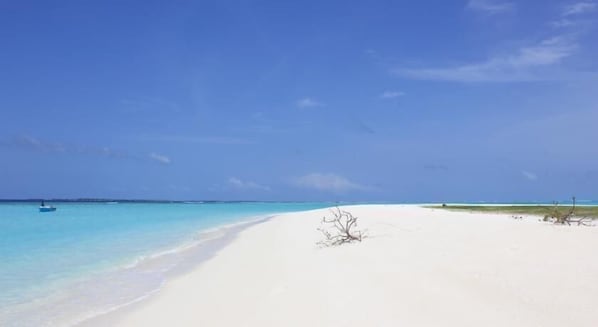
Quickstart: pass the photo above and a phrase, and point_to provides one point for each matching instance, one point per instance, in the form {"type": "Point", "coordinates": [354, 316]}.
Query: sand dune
{"type": "Point", "coordinates": [418, 267]}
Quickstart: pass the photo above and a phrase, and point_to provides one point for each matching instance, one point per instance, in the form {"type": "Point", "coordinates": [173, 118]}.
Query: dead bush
{"type": "Point", "coordinates": [340, 228]}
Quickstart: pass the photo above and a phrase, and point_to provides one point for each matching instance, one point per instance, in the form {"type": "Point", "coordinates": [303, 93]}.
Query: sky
{"type": "Point", "coordinates": [403, 101]}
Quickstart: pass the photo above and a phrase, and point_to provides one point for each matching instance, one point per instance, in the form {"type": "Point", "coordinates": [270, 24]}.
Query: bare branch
{"type": "Point", "coordinates": [555, 216]}
{"type": "Point", "coordinates": [341, 224]}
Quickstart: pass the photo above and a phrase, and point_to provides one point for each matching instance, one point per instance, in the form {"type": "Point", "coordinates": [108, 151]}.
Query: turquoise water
{"type": "Point", "coordinates": [61, 267]}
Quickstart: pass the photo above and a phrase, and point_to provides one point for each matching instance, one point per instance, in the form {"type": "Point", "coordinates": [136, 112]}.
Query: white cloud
{"type": "Point", "coordinates": [327, 183]}
{"type": "Point", "coordinates": [572, 15]}
{"type": "Point", "coordinates": [529, 175]}
{"type": "Point", "coordinates": [222, 140]}
{"type": "Point", "coordinates": [490, 6]}
{"type": "Point", "coordinates": [504, 68]}
{"type": "Point", "coordinates": [308, 103]}
{"type": "Point", "coordinates": [391, 94]}
{"type": "Point", "coordinates": [148, 104]}
{"type": "Point", "coordinates": [34, 144]}
{"type": "Point", "coordinates": [246, 185]}
{"type": "Point", "coordinates": [579, 8]}
{"type": "Point", "coordinates": [160, 158]}
{"type": "Point", "coordinates": [31, 142]}
{"type": "Point", "coordinates": [564, 23]}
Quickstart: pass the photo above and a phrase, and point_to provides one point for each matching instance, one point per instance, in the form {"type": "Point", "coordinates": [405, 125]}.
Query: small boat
{"type": "Point", "coordinates": [46, 208]}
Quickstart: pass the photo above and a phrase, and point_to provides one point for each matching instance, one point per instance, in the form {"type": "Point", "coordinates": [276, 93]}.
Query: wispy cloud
{"type": "Point", "coordinates": [362, 127]}
{"type": "Point", "coordinates": [579, 8]}
{"type": "Point", "coordinates": [518, 66]}
{"type": "Point", "coordinates": [573, 15]}
{"type": "Point", "coordinates": [221, 140]}
{"type": "Point", "coordinates": [308, 103]}
{"type": "Point", "coordinates": [391, 94]}
{"type": "Point", "coordinates": [490, 7]}
{"type": "Point", "coordinates": [328, 183]}
{"type": "Point", "coordinates": [149, 104]}
{"type": "Point", "coordinates": [529, 175]}
{"type": "Point", "coordinates": [539, 60]}
{"type": "Point", "coordinates": [160, 158]}
{"type": "Point", "coordinates": [564, 22]}
{"type": "Point", "coordinates": [31, 143]}
{"type": "Point", "coordinates": [246, 185]}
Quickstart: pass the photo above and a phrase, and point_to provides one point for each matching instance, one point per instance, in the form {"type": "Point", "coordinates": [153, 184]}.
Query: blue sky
{"type": "Point", "coordinates": [480, 100]}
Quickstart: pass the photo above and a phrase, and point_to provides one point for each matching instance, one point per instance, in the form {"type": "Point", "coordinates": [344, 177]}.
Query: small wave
{"type": "Point", "coordinates": [168, 263]}
{"type": "Point", "coordinates": [114, 289]}
{"type": "Point", "coordinates": [200, 238]}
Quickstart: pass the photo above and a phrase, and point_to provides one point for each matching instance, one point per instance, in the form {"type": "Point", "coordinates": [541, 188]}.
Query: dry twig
{"type": "Point", "coordinates": [557, 217]}
{"type": "Point", "coordinates": [340, 228]}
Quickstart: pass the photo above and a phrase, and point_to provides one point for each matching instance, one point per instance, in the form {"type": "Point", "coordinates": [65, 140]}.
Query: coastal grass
{"type": "Point", "coordinates": [535, 210]}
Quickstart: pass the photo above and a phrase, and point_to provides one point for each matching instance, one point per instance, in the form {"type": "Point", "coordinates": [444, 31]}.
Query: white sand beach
{"type": "Point", "coordinates": [417, 267]}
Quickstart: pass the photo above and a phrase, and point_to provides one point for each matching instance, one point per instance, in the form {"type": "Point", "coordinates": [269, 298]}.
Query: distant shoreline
{"type": "Point", "coordinates": [423, 203]}
{"type": "Point", "coordinates": [92, 200]}
{"type": "Point", "coordinates": [587, 210]}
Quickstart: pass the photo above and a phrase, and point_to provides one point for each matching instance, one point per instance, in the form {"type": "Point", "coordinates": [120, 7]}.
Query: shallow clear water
{"type": "Point", "coordinates": [61, 267]}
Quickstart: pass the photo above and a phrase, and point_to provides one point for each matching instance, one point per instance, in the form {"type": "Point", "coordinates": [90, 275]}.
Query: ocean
{"type": "Point", "coordinates": [85, 259]}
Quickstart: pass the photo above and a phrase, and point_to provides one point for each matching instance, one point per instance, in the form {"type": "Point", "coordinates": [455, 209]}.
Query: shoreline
{"type": "Point", "coordinates": [126, 284]}
{"type": "Point", "coordinates": [415, 261]}
{"type": "Point", "coordinates": [192, 255]}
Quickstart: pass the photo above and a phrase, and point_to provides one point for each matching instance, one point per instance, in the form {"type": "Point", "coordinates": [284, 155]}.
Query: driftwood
{"type": "Point", "coordinates": [557, 217]}
{"type": "Point", "coordinates": [340, 228]}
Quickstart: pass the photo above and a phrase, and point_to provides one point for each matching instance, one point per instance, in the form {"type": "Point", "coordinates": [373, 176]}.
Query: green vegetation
{"type": "Point", "coordinates": [537, 210]}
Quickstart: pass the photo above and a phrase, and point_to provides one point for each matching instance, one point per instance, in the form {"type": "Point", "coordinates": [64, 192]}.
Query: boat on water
{"type": "Point", "coordinates": [46, 208]}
